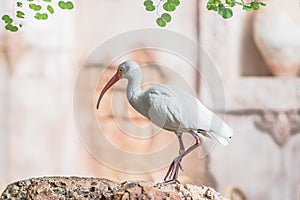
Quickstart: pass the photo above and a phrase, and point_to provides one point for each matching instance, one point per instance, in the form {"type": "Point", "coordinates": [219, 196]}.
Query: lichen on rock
{"type": "Point", "coordinates": [97, 188]}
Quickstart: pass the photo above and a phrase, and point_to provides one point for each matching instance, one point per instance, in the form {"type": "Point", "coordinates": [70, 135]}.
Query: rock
{"type": "Point", "coordinates": [97, 188]}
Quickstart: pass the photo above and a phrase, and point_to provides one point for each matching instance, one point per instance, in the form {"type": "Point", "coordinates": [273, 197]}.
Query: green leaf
{"type": "Point", "coordinates": [221, 9]}
{"type": "Point", "coordinates": [231, 3]}
{"type": "Point", "coordinates": [224, 12]}
{"type": "Point", "coordinates": [217, 2]}
{"type": "Point", "coordinates": [160, 22]}
{"type": "Point", "coordinates": [8, 26]}
{"type": "Point", "coordinates": [62, 4]}
{"type": "Point", "coordinates": [50, 9]}
{"type": "Point", "coordinates": [19, 4]}
{"type": "Point", "coordinates": [7, 19]}
{"type": "Point", "coordinates": [20, 14]}
{"type": "Point", "coordinates": [11, 28]}
{"type": "Point", "coordinates": [69, 5]}
{"type": "Point", "coordinates": [14, 29]}
{"type": "Point", "coordinates": [169, 7]}
{"type": "Point", "coordinates": [29, 0]}
{"type": "Point", "coordinates": [41, 16]}
{"type": "Point", "coordinates": [150, 8]}
{"type": "Point", "coordinates": [247, 8]}
{"type": "Point", "coordinates": [35, 7]}
{"type": "Point", "coordinates": [211, 6]}
{"type": "Point", "coordinates": [227, 13]}
{"type": "Point", "coordinates": [66, 5]}
{"type": "Point", "coordinates": [47, 0]}
{"type": "Point", "coordinates": [38, 16]}
{"type": "Point", "coordinates": [148, 3]}
{"type": "Point", "coordinates": [174, 2]}
{"type": "Point", "coordinates": [255, 5]}
{"type": "Point", "coordinates": [166, 17]}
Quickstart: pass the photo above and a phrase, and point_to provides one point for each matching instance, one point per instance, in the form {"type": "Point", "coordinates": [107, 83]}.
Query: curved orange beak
{"type": "Point", "coordinates": [112, 81]}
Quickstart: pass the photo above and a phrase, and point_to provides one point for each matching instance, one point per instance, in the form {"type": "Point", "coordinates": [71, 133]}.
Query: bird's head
{"type": "Point", "coordinates": [127, 70]}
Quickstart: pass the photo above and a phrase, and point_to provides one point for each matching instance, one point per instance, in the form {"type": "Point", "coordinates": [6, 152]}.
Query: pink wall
{"type": "Point", "coordinates": [39, 66]}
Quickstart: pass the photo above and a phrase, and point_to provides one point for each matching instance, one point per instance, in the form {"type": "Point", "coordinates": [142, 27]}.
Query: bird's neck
{"type": "Point", "coordinates": [133, 90]}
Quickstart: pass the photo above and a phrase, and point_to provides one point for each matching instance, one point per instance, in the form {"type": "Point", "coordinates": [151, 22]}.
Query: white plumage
{"type": "Point", "coordinates": [170, 108]}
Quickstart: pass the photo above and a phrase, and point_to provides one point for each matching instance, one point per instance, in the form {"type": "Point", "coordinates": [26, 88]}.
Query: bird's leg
{"type": "Point", "coordinates": [181, 149]}
{"type": "Point", "coordinates": [174, 163]}
{"type": "Point", "coordinates": [181, 145]}
{"type": "Point", "coordinates": [173, 175]}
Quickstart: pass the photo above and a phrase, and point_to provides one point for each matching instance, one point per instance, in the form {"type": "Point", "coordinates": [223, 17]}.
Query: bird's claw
{"type": "Point", "coordinates": [172, 173]}
{"type": "Point", "coordinates": [169, 182]}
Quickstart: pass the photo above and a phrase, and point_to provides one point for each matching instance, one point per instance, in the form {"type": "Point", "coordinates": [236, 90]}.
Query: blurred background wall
{"type": "Point", "coordinates": [38, 70]}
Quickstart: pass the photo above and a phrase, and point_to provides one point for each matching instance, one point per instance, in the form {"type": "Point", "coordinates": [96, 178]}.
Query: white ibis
{"type": "Point", "coordinates": [172, 109]}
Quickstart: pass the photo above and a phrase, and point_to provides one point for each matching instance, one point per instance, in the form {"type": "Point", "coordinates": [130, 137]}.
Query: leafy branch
{"type": "Point", "coordinates": [40, 9]}
{"type": "Point", "coordinates": [222, 7]}
{"type": "Point", "coordinates": [167, 5]}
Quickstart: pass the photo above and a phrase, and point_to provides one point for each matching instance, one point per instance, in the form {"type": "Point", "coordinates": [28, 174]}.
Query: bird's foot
{"type": "Point", "coordinates": [173, 169]}
{"type": "Point", "coordinates": [167, 182]}
{"type": "Point", "coordinates": [170, 182]}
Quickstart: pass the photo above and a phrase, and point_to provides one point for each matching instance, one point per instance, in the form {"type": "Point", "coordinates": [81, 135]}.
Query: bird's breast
{"type": "Point", "coordinates": [140, 106]}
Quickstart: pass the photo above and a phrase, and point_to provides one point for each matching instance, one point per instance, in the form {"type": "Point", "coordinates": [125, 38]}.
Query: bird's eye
{"type": "Point", "coordinates": [121, 70]}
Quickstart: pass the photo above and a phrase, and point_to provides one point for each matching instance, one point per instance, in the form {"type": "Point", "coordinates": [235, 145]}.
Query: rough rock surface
{"type": "Point", "coordinates": [96, 188]}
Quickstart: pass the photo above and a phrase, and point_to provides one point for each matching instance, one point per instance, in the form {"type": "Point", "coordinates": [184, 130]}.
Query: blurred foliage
{"type": "Point", "coordinates": [167, 6]}
{"type": "Point", "coordinates": [43, 8]}
{"type": "Point", "coordinates": [222, 7]}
